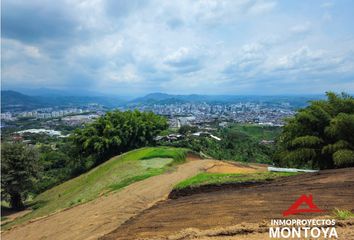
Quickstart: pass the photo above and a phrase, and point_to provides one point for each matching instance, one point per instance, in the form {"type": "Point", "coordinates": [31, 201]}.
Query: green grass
{"type": "Point", "coordinates": [258, 132]}
{"type": "Point", "coordinates": [163, 152]}
{"type": "Point", "coordinates": [342, 214]}
{"type": "Point", "coordinates": [221, 178]}
{"type": "Point", "coordinates": [128, 181]}
{"type": "Point", "coordinates": [112, 175]}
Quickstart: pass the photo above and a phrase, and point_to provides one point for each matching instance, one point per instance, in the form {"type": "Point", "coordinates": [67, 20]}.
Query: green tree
{"type": "Point", "coordinates": [117, 132]}
{"type": "Point", "coordinates": [185, 129]}
{"type": "Point", "coordinates": [19, 168]}
{"type": "Point", "coordinates": [56, 168]}
{"type": "Point", "coordinates": [239, 143]}
{"type": "Point", "coordinates": [320, 135]}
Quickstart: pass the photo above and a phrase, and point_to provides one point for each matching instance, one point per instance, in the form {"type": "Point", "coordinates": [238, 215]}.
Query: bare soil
{"type": "Point", "coordinates": [234, 167]}
{"type": "Point", "coordinates": [242, 212]}
{"type": "Point", "coordinates": [248, 231]}
{"type": "Point", "coordinates": [101, 216]}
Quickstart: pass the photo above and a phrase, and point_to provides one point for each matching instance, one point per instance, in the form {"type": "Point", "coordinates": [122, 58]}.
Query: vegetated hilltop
{"type": "Point", "coordinates": [239, 142]}
{"type": "Point", "coordinates": [112, 175]}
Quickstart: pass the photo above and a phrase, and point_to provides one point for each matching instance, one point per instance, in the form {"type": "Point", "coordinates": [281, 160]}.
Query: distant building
{"type": "Point", "coordinates": [266, 142]}
{"type": "Point", "coordinates": [79, 119]}
{"type": "Point", "coordinates": [169, 138]}
{"type": "Point", "coordinates": [223, 124]}
{"type": "Point", "coordinates": [40, 131]}
{"type": "Point", "coordinates": [198, 134]}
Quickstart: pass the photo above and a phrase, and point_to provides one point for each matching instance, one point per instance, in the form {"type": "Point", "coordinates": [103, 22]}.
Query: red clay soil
{"type": "Point", "coordinates": [241, 206]}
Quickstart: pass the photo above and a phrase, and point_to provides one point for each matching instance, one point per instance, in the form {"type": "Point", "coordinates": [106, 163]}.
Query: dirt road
{"type": "Point", "coordinates": [245, 211]}
{"type": "Point", "coordinates": [98, 217]}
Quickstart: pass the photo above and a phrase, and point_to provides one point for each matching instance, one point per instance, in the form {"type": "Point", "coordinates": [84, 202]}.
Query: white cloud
{"type": "Point", "coordinates": [13, 49]}
{"type": "Point", "coordinates": [183, 60]}
{"type": "Point", "coordinates": [301, 58]}
{"type": "Point", "coordinates": [301, 28]}
{"type": "Point", "coordinates": [246, 63]}
{"type": "Point", "coordinates": [178, 56]}
{"type": "Point", "coordinates": [125, 74]}
{"type": "Point", "coordinates": [261, 6]}
{"type": "Point", "coordinates": [32, 51]}
{"type": "Point", "coordinates": [327, 5]}
{"type": "Point", "coordinates": [106, 46]}
{"type": "Point", "coordinates": [205, 45]}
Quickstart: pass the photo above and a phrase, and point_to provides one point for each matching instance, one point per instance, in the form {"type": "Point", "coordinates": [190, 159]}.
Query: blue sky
{"type": "Point", "coordinates": [182, 46]}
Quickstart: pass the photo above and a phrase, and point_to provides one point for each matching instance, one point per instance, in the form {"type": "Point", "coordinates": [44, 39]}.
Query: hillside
{"type": "Point", "coordinates": [102, 215]}
{"type": "Point", "coordinates": [112, 175]}
{"type": "Point", "coordinates": [139, 210]}
{"type": "Point", "coordinates": [13, 100]}
{"type": "Point", "coordinates": [163, 98]}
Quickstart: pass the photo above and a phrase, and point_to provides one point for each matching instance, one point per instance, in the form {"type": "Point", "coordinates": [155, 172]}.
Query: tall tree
{"type": "Point", "coordinates": [19, 169]}
{"type": "Point", "coordinates": [117, 132]}
{"type": "Point", "coordinates": [320, 135]}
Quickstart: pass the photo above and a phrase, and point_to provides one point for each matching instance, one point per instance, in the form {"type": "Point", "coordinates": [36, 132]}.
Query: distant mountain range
{"type": "Point", "coordinates": [55, 92]}
{"type": "Point", "coordinates": [13, 100]}
{"type": "Point", "coordinates": [163, 98]}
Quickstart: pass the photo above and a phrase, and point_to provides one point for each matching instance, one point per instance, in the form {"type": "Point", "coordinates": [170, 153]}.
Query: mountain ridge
{"type": "Point", "coordinates": [13, 100]}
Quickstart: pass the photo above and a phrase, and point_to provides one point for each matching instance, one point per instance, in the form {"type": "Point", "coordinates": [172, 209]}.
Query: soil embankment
{"type": "Point", "coordinates": [239, 212]}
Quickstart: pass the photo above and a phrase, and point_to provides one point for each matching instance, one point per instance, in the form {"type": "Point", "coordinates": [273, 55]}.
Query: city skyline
{"type": "Point", "coordinates": [179, 47]}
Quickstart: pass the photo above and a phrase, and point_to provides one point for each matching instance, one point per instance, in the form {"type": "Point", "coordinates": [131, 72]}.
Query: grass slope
{"type": "Point", "coordinates": [221, 178]}
{"type": "Point", "coordinates": [114, 174]}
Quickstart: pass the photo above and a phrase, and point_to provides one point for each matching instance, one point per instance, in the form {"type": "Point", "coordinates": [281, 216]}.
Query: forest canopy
{"type": "Point", "coordinates": [319, 136]}
{"type": "Point", "coordinates": [118, 132]}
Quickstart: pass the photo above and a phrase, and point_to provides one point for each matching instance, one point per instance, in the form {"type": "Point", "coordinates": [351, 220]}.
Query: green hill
{"type": "Point", "coordinates": [112, 175]}
{"type": "Point", "coordinates": [11, 100]}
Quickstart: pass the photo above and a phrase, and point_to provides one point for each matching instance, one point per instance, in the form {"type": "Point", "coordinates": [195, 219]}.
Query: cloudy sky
{"type": "Point", "coordinates": [181, 46]}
